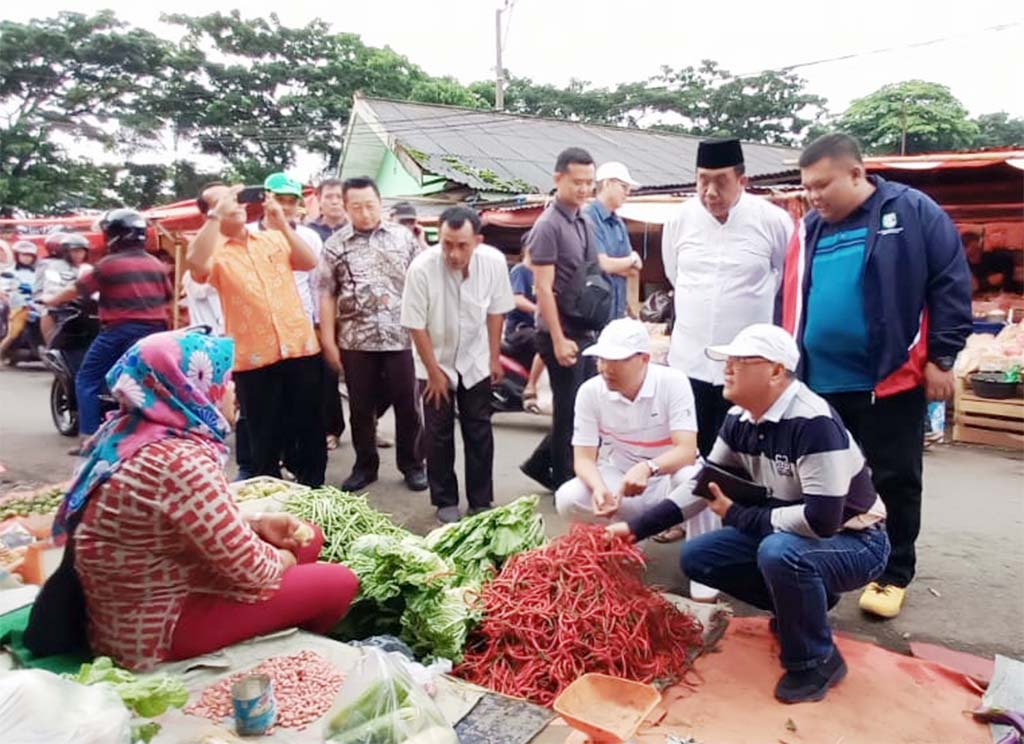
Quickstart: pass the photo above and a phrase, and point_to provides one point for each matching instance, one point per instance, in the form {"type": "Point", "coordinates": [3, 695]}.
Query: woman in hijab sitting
{"type": "Point", "coordinates": [168, 566]}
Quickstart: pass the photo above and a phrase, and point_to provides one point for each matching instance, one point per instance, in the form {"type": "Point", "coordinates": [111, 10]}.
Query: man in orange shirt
{"type": "Point", "coordinates": [277, 363]}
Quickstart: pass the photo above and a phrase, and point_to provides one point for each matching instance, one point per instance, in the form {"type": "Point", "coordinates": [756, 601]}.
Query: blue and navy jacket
{"type": "Point", "coordinates": [917, 285]}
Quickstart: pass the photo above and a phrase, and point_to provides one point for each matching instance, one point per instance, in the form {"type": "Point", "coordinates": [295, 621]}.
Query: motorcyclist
{"type": "Point", "coordinates": [17, 291]}
{"type": "Point", "coordinates": [135, 292]}
{"type": "Point", "coordinates": [68, 261]}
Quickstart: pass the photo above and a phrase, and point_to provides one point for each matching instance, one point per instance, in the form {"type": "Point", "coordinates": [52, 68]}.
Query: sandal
{"type": "Point", "coordinates": [671, 535]}
{"type": "Point", "coordinates": [530, 404]}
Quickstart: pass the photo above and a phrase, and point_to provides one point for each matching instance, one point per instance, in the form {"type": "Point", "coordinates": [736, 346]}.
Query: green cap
{"type": "Point", "coordinates": [279, 183]}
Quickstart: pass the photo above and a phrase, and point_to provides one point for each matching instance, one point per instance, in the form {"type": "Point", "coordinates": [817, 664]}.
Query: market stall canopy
{"type": "Point", "coordinates": [428, 148]}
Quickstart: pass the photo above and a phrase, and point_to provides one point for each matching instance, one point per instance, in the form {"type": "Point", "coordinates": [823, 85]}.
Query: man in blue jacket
{"type": "Point", "coordinates": [877, 292]}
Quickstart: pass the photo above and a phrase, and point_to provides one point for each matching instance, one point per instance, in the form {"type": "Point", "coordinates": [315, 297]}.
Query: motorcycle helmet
{"type": "Point", "coordinates": [123, 229]}
{"type": "Point", "coordinates": [26, 247]}
{"type": "Point", "coordinates": [73, 241]}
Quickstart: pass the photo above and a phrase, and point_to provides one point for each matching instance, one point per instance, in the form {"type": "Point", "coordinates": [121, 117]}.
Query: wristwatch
{"type": "Point", "coordinates": [945, 363]}
{"type": "Point", "coordinates": [653, 467]}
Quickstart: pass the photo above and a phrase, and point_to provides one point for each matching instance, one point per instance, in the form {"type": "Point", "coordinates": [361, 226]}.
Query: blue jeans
{"type": "Point", "coordinates": [795, 577]}
{"type": "Point", "coordinates": [105, 349]}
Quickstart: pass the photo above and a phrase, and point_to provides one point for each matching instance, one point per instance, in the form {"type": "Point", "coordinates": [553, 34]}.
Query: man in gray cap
{"type": "Point", "coordinates": [723, 253]}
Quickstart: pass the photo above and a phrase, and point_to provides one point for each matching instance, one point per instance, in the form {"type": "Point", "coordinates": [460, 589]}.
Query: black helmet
{"type": "Point", "coordinates": [123, 229]}
{"type": "Point", "coordinates": [65, 243]}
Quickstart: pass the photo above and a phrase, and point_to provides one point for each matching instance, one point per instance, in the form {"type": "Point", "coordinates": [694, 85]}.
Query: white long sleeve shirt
{"type": "Point", "coordinates": [725, 276]}
{"type": "Point", "coordinates": [453, 309]}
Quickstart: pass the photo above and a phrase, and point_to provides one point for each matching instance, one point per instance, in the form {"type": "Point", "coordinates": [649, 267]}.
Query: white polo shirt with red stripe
{"type": "Point", "coordinates": [634, 430]}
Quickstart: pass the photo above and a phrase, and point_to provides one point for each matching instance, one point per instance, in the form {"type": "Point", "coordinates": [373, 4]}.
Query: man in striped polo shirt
{"type": "Point", "coordinates": [821, 532]}
{"type": "Point", "coordinates": [135, 291]}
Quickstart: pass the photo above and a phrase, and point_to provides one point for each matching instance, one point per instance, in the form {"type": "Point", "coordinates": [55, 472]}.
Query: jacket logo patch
{"type": "Point", "coordinates": [889, 220]}
{"type": "Point", "coordinates": [783, 466]}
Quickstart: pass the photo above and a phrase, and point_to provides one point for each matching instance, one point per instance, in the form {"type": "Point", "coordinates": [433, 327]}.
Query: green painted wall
{"type": "Point", "coordinates": [393, 179]}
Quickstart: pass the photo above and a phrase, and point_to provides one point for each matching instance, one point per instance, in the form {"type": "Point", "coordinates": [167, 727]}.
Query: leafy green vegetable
{"type": "Point", "coordinates": [386, 565]}
{"type": "Point", "coordinates": [145, 732]}
{"type": "Point", "coordinates": [437, 622]}
{"type": "Point", "coordinates": [1012, 374]}
{"type": "Point", "coordinates": [148, 697]}
{"type": "Point", "coordinates": [477, 546]}
{"type": "Point", "coordinates": [343, 517]}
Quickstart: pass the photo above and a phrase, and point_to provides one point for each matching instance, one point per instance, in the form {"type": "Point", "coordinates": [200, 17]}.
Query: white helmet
{"type": "Point", "coordinates": [27, 247]}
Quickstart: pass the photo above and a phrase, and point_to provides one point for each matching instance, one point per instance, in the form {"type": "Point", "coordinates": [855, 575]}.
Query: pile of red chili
{"type": "Point", "coordinates": [574, 606]}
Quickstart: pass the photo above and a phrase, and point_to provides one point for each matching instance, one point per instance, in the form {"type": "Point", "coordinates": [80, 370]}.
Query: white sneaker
{"type": "Point", "coordinates": [703, 593]}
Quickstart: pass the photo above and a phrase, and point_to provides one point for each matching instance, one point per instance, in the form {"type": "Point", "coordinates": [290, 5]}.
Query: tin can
{"type": "Point", "coordinates": [255, 707]}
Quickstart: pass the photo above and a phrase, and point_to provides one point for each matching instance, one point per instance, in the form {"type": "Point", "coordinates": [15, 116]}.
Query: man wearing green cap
{"type": "Point", "coordinates": [287, 192]}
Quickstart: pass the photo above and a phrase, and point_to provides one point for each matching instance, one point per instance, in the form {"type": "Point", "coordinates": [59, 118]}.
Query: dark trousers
{"type": "Point", "coordinates": [711, 410]}
{"type": "Point", "coordinates": [281, 405]}
{"type": "Point", "coordinates": [105, 349]}
{"type": "Point", "coordinates": [473, 408]}
{"type": "Point", "coordinates": [334, 416]}
{"type": "Point", "coordinates": [795, 577]}
{"type": "Point", "coordinates": [243, 449]}
{"type": "Point", "coordinates": [890, 431]}
{"type": "Point", "coordinates": [374, 379]}
{"type": "Point", "coordinates": [554, 453]}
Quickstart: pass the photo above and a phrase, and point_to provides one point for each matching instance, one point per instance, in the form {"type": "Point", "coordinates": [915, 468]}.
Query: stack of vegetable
{"type": "Point", "coordinates": [147, 697]}
{"type": "Point", "coordinates": [46, 502]}
{"type": "Point", "coordinates": [479, 545]}
{"type": "Point", "coordinates": [343, 517]}
{"type": "Point", "coordinates": [577, 605]}
{"type": "Point", "coordinates": [410, 586]}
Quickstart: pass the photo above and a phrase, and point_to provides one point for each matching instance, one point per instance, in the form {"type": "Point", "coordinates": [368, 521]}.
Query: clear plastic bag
{"type": "Point", "coordinates": [381, 704]}
{"type": "Point", "coordinates": [88, 715]}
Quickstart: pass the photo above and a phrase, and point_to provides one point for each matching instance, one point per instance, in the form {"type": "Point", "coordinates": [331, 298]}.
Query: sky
{"type": "Point", "coordinates": [553, 41]}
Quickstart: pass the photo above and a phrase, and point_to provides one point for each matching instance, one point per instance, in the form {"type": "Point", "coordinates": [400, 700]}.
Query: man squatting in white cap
{"type": "Point", "coordinates": [820, 531]}
{"type": "Point", "coordinates": [645, 415]}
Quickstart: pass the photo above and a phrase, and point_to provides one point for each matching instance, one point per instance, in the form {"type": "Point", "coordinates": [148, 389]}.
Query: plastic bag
{"type": "Point", "coordinates": [381, 704]}
{"type": "Point", "coordinates": [88, 715]}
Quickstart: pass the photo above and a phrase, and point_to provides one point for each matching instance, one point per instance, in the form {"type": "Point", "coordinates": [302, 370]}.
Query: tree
{"type": "Point", "coordinates": [254, 90]}
{"type": "Point", "coordinates": [999, 130]}
{"type": "Point", "coordinates": [770, 107]}
{"type": "Point", "coordinates": [909, 117]}
{"type": "Point", "coordinates": [71, 79]}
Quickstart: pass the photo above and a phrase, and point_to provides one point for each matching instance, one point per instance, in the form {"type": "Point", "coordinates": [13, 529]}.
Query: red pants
{"type": "Point", "coordinates": [313, 596]}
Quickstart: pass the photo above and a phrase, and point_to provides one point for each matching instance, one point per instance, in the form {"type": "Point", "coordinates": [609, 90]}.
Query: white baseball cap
{"type": "Point", "coordinates": [621, 339]}
{"type": "Point", "coordinates": [615, 170]}
{"type": "Point", "coordinates": [760, 340]}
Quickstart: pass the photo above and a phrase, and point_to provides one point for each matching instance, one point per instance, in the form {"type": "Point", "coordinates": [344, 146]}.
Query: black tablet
{"type": "Point", "coordinates": [740, 490]}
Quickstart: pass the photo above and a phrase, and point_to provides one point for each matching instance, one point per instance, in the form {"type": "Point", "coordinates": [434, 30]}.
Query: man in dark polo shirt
{"type": "Point", "coordinates": [557, 244]}
{"type": "Point", "coordinates": [134, 290]}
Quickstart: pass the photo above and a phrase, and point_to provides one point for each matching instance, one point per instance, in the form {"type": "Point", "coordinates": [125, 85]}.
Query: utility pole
{"type": "Point", "coordinates": [499, 82]}
{"type": "Point", "coordinates": [903, 135]}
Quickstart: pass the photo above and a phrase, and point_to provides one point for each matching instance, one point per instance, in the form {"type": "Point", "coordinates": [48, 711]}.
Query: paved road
{"type": "Point", "coordinates": [969, 593]}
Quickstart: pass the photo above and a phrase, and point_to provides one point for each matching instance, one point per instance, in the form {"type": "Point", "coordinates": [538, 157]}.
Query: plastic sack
{"type": "Point", "coordinates": [88, 715]}
{"type": "Point", "coordinates": [381, 704]}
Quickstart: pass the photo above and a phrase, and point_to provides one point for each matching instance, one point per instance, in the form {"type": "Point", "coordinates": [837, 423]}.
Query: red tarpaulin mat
{"type": "Point", "coordinates": [886, 697]}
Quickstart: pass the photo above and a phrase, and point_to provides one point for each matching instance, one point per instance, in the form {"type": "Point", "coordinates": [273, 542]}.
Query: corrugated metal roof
{"type": "Point", "coordinates": [494, 151]}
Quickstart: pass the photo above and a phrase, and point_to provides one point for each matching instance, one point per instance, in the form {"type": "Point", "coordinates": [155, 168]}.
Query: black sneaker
{"type": "Point", "coordinates": [416, 480]}
{"type": "Point", "coordinates": [357, 481]}
{"type": "Point", "coordinates": [448, 515]}
{"type": "Point", "coordinates": [810, 685]}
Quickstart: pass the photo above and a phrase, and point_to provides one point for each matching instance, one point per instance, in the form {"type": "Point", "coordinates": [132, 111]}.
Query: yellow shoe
{"type": "Point", "coordinates": [883, 600]}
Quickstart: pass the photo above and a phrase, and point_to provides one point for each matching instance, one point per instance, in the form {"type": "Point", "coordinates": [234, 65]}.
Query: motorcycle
{"type": "Point", "coordinates": [516, 357]}
{"type": "Point", "coordinates": [77, 324]}
{"type": "Point", "coordinates": [26, 346]}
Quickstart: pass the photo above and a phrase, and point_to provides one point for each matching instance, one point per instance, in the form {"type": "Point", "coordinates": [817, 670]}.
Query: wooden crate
{"type": "Point", "coordinates": [997, 423]}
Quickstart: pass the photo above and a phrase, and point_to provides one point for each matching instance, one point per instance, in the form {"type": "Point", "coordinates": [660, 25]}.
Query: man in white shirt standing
{"type": "Point", "coordinates": [454, 303]}
{"type": "Point", "coordinates": [723, 253]}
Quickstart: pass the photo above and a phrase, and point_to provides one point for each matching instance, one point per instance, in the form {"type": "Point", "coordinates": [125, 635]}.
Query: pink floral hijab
{"type": "Point", "coordinates": [168, 385]}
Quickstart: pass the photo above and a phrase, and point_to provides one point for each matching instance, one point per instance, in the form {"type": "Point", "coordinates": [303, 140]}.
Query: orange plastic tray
{"type": "Point", "coordinates": [607, 709]}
